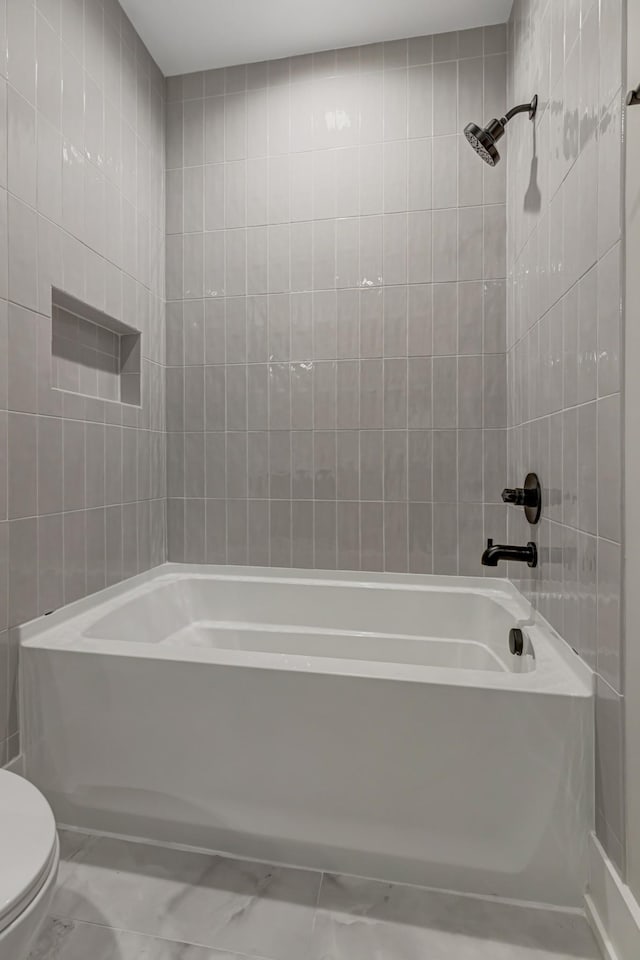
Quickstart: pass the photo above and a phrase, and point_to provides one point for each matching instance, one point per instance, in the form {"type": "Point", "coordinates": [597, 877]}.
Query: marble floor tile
{"type": "Point", "coordinates": [368, 920]}
{"type": "Point", "coordinates": [232, 905]}
{"type": "Point", "coordinates": [126, 901]}
{"type": "Point", "coordinates": [70, 940]}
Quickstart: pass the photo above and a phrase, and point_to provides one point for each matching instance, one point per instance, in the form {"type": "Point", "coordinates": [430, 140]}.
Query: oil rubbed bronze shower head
{"type": "Point", "coordinates": [484, 139]}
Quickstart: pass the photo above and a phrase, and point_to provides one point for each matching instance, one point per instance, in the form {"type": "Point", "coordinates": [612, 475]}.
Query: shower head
{"type": "Point", "coordinates": [484, 139]}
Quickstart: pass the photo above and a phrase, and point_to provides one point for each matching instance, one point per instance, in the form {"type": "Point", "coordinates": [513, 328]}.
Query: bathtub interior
{"type": "Point", "coordinates": [365, 621]}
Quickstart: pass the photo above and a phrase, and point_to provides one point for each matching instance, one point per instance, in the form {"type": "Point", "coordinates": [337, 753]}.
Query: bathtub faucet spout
{"type": "Point", "coordinates": [496, 552]}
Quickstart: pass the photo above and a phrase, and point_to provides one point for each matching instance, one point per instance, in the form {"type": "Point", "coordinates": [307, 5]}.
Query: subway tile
{"type": "Point", "coordinates": [609, 172]}
{"type": "Point", "coordinates": [280, 397]}
{"type": "Point", "coordinates": [348, 323]}
{"type": "Point", "coordinates": [96, 551]}
{"type": "Point", "coordinates": [396, 537]}
{"type": "Point", "coordinates": [348, 399]}
{"type": "Point", "coordinates": [258, 533]}
{"type": "Point", "coordinates": [445, 379]}
{"type": "Point", "coordinates": [445, 465]}
{"type": "Point", "coordinates": [302, 394]}
{"type": "Point", "coordinates": [470, 455]}
{"type": "Point", "coordinates": [395, 104]}
{"type": "Point", "coordinates": [348, 523]}
{"type": "Point", "coordinates": [371, 252]}
{"type": "Point", "coordinates": [470, 387]}
{"type": "Point", "coordinates": [236, 465]}
{"type": "Point", "coordinates": [193, 132]}
{"type": "Point", "coordinates": [371, 464]}
{"type": "Point", "coordinates": [395, 321]}
{"type": "Point", "coordinates": [347, 454]}
{"type": "Point", "coordinates": [471, 338]}
{"type": "Point", "coordinates": [347, 252]}
{"type": "Point", "coordinates": [395, 248]}
{"type": "Point", "coordinates": [420, 465]}
{"type": "Point", "coordinates": [22, 328]}
{"type": "Point", "coordinates": [609, 322]}
{"type": "Point", "coordinates": [21, 47]}
{"type": "Point", "coordinates": [587, 468]}
{"type": "Point", "coordinates": [23, 571]}
{"type": "Point", "coordinates": [236, 397]}
{"type": "Point", "coordinates": [470, 539]}
{"type": "Point", "coordinates": [445, 538]}
{"type": "Point", "coordinates": [371, 536]}
{"type": "Point", "coordinates": [609, 796]}
{"type": "Point", "coordinates": [325, 464]}
{"type": "Point", "coordinates": [470, 89]}
{"type": "Point", "coordinates": [280, 465]}
{"type": "Point", "coordinates": [302, 471]}
{"type": "Point", "coordinates": [420, 50]}
{"type": "Point", "coordinates": [257, 465]}
{"type": "Point", "coordinates": [302, 533]}
{"type": "Point", "coordinates": [22, 236]}
{"type": "Point", "coordinates": [50, 571]}
{"type": "Point", "coordinates": [215, 531]}
{"type": "Point", "coordinates": [494, 244]}
{"type": "Point", "coordinates": [325, 535]}
{"type": "Point", "coordinates": [609, 468]}
{"type": "Point", "coordinates": [445, 98]}
{"type": "Point", "coordinates": [609, 637]}
{"type": "Point", "coordinates": [195, 530]}
{"type": "Point", "coordinates": [280, 533]}
{"type": "Point", "coordinates": [419, 248]}
{"type": "Point", "coordinates": [113, 522]}
{"type": "Point", "coordinates": [194, 465]}
{"type": "Point", "coordinates": [216, 464]}
{"type": "Point", "coordinates": [278, 112]}
{"type": "Point", "coordinates": [371, 394]}
{"type": "Point", "coordinates": [611, 12]}
{"type": "Point", "coordinates": [587, 607]}
{"type": "Point", "coordinates": [21, 136]}
{"type": "Point", "coordinates": [95, 465]}
{"type": "Point", "coordinates": [22, 465]}
{"type": "Point", "coordinates": [495, 401]}
{"type": "Point", "coordinates": [419, 387]}
{"type": "Point", "coordinates": [3, 472]}
{"type": "Point", "coordinates": [214, 131]}
{"type": "Point", "coordinates": [214, 398]}
{"type": "Point", "coordinates": [445, 246]}
{"type": "Point", "coordinates": [257, 328]}
{"type": "Point", "coordinates": [395, 394]}
{"type": "Point", "coordinates": [395, 465]}
{"type": "Point", "coordinates": [420, 320]}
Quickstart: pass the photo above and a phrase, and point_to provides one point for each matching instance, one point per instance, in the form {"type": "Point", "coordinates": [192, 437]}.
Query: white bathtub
{"type": "Point", "coordinates": [358, 723]}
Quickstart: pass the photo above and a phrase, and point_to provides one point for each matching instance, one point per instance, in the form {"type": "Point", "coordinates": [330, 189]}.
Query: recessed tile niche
{"type": "Point", "coordinates": [93, 354]}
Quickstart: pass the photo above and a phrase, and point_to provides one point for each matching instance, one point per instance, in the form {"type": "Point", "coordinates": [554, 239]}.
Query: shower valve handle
{"type": "Point", "coordinates": [518, 496]}
{"type": "Point", "coordinates": [529, 496]}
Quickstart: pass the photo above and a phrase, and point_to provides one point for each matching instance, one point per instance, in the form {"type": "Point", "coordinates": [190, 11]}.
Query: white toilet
{"type": "Point", "coordinates": [29, 856]}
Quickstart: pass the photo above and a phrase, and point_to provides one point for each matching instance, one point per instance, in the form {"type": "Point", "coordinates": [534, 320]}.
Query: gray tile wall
{"type": "Point", "coordinates": [563, 333]}
{"type": "Point", "coordinates": [336, 382]}
{"type": "Point", "coordinates": [82, 481]}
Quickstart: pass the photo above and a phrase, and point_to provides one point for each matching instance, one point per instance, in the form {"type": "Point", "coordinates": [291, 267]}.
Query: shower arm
{"type": "Point", "coordinates": [529, 108]}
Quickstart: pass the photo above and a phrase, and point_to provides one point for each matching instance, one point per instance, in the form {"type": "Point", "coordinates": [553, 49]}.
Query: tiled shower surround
{"type": "Point", "coordinates": [361, 346]}
{"type": "Point", "coordinates": [564, 334]}
{"type": "Point", "coordinates": [336, 381]}
{"type": "Point", "coordinates": [82, 209]}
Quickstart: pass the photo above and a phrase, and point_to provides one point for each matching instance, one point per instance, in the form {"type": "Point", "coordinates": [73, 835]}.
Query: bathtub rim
{"type": "Point", "coordinates": [559, 670]}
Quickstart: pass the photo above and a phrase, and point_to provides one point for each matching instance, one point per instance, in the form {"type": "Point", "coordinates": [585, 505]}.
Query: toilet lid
{"type": "Point", "coordinates": [28, 844]}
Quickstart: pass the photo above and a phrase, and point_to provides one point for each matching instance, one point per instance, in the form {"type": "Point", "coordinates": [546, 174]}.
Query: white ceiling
{"type": "Point", "coordinates": [189, 35]}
